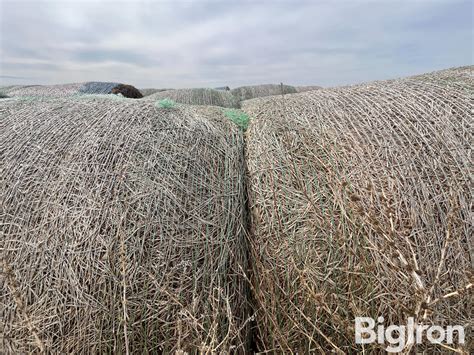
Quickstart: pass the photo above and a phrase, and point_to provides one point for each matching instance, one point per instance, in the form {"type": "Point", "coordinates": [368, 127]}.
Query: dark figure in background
{"type": "Point", "coordinates": [127, 91]}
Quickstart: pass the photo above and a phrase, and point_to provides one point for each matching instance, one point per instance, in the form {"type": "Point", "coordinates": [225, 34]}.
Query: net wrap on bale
{"type": "Point", "coordinates": [68, 90]}
{"type": "Point", "coordinates": [121, 228]}
{"type": "Point", "coordinates": [361, 207]}
{"type": "Point", "coordinates": [199, 96]}
{"type": "Point", "coordinates": [250, 92]}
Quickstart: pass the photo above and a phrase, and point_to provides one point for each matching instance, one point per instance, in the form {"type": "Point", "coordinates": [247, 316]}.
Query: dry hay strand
{"type": "Point", "coordinates": [308, 88]}
{"type": "Point", "coordinates": [127, 91]}
{"type": "Point", "coordinates": [121, 228]}
{"type": "Point", "coordinates": [360, 206]}
{"type": "Point", "coordinates": [251, 92]}
{"type": "Point", "coordinates": [197, 97]}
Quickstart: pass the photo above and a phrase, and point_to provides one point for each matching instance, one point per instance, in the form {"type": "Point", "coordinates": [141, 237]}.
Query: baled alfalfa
{"type": "Point", "coordinates": [121, 228]}
{"type": "Point", "coordinates": [360, 206]}
{"type": "Point", "coordinates": [199, 96]}
{"type": "Point", "coordinates": [254, 91]}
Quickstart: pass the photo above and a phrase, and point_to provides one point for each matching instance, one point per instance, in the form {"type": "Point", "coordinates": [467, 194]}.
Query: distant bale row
{"type": "Point", "coordinates": [67, 90]}
{"type": "Point", "coordinates": [308, 88]}
{"type": "Point", "coordinates": [360, 202]}
{"type": "Point", "coordinates": [61, 90]}
{"type": "Point", "coordinates": [251, 92]}
{"type": "Point", "coordinates": [97, 87]}
{"type": "Point", "coordinates": [197, 97]}
{"type": "Point", "coordinates": [148, 92]}
{"type": "Point", "coordinates": [121, 228]}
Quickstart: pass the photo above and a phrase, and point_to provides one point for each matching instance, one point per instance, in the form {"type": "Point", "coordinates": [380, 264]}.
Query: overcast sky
{"type": "Point", "coordinates": [212, 43]}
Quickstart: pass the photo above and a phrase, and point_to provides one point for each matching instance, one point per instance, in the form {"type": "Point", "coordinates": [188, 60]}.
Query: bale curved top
{"type": "Point", "coordinates": [201, 96]}
{"type": "Point", "coordinates": [251, 92]}
{"type": "Point", "coordinates": [121, 228]}
{"type": "Point", "coordinates": [360, 202]}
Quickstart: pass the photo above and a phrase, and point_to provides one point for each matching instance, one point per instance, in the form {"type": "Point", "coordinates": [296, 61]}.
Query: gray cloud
{"type": "Point", "coordinates": [213, 43]}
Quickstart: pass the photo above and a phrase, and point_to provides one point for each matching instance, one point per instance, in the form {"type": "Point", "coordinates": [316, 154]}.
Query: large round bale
{"type": "Point", "coordinates": [121, 228]}
{"type": "Point", "coordinates": [201, 96]}
{"type": "Point", "coordinates": [251, 92]}
{"type": "Point", "coordinates": [360, 206]}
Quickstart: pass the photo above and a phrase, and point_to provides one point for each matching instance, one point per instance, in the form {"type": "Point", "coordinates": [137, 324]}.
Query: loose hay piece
{"type": "Point", "coordinates": [197, 97]}
{"type": "Point", "coordinates": [251, 92]}
{"type": "Point", "coordinates": [121, 228]}
{"type": "Point", "coordinates": [361, 206]}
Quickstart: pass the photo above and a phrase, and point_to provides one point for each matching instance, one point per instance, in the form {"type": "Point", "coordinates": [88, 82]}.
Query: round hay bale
{"type": "Point", "coordinates": [121, 228]}
{"type": "Point", "coordinates": [251, 92]}
{"type": "Point", "coordinates": [127, 91]}
{"type": "Point", "coordinates": [147, 92]}
{"type": "Point", "coordinates": [197, 97]}
{"type": "Point", "coordinates": [360, 203]}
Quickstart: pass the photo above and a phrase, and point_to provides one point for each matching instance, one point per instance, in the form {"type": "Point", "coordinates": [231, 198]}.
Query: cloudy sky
{"type": "Point", "coordinates": [200, 43]}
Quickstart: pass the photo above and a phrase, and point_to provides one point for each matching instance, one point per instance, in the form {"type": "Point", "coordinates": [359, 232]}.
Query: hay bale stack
{"type": "Point", "coordinates": [251, 92]}
{"type": "Point", "coordinates": [121, 228]}
{"type": "Point", "coordinates": [308, 88]}
{"type": "Point", "coordinates": [197, 97]}
{"type": "Point", "coordinates": [360, 205]}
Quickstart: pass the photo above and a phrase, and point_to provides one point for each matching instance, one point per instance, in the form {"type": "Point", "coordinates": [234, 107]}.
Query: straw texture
{"type": "Point", "coordinates": [121, 228]}
{"type": "Point", "coordinates": [360, 205]}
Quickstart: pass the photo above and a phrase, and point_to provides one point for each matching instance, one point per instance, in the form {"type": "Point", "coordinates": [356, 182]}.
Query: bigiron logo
{"type": "Point", "coordinates": [399, 336]}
